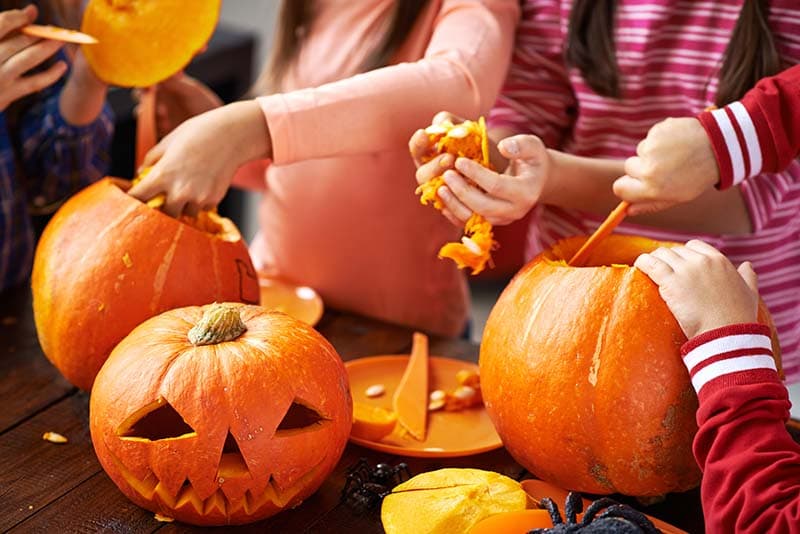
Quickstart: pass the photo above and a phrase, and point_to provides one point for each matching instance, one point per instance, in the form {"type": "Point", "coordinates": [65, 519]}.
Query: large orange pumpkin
{"type": "Point", "coordinates": [582, 376]}
{"type": "Point", "coordinates": [223, 414]}
{"type": "Point", "coordinates": [106, 262]}
{"type": "Point", "coordinates": [141, 43]}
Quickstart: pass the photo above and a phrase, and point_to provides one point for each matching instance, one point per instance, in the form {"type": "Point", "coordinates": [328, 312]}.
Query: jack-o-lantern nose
{"type": "Point", "coordinates": [232, 464]}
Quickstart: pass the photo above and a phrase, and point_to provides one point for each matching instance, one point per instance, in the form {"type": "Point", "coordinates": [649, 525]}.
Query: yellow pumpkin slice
{"type": "Point", "coordinates": [449, 500]}
{"type": "Point", "coordinates": [372, 423]}
{"type": "Point", "coordinates": [144, 42]}
{"type": "Point", "coordinates": [410, 401]}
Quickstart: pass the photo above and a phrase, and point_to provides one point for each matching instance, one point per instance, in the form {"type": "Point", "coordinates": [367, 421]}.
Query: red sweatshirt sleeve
{"type": "Point", "coordinates": [760, 133]}
{"type": "Point", "coordinates": [751, 465]}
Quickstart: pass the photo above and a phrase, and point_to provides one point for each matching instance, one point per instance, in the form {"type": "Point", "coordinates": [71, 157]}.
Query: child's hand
{"type": "Point", "coordinates": [421, 147]}
{"type": "Point", "coordinates": [193, 166]}
{"type": "Point", "coordinates": [20, 53]}
{"type": "Point", "coordinates": [499, 198]}
{"type": "Point", "coordinates": [701, 287]}
{"type": "Point", "coordinates": [673, 164]}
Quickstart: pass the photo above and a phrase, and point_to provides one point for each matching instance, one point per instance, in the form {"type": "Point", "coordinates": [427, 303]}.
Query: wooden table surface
{"type": "Point", "coordinates": [45, 487]}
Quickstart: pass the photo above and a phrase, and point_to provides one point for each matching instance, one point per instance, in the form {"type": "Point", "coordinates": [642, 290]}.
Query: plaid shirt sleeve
{"type": "Point", "coordinates": [58, 158]}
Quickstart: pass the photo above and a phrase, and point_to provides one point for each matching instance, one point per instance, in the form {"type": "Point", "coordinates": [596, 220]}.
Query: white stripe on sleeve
{"type": "Point", "coordinates": [750, 137]}
{"type": "Point", "coordinates": [732, 142]}
{"type": "Point", "coordinates": [733, 365]}
{"type": "Point", "coordinates": [725, 344]}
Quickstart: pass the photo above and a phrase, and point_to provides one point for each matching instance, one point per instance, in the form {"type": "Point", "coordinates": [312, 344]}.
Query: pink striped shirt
{"type": "Point", "coordinates": [669, 54]}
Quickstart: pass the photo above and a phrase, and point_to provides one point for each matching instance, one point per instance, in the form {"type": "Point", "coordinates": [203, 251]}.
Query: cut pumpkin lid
{"type": "Point", "coordinates": [144, 42]}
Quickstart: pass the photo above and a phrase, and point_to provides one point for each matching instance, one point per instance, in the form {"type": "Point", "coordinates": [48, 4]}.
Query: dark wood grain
{"type": "Point", "coordinates": [28, 382]}
{"type": "Point", "coordinates": [96, 506]}
{"type": "Point", "coordinates": [36, 472]}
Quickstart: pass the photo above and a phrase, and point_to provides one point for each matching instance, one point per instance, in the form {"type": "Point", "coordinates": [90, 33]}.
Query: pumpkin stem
{"type": "Point", "coordinates": [219, 323]}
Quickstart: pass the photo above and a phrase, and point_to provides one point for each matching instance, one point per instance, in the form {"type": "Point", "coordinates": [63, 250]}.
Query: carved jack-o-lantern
{"type": "Point", "coordinates": [222, 414]}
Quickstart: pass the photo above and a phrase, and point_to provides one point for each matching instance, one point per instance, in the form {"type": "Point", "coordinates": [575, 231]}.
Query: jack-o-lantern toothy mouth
{"type": "Point", "coordinates": [154, 491]}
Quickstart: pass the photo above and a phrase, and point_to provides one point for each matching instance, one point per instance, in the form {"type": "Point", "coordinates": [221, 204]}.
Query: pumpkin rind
{"type": "Point", "coordinates": [143, 43]}
{"type": "Point", "coordinates": [244, 386]}
{"type": "Point", "coordinates": [582, 376]}
{"type": "Point", "coordinates": [106, 262]}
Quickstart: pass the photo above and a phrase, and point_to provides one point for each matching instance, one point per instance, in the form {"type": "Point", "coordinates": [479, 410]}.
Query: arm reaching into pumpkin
{"type": "Point", "coordinates": [367, 113]}
{"type": "Point", "coordinates": [750, 463]}
{"type": "Point", "coordinates": [194, 164]}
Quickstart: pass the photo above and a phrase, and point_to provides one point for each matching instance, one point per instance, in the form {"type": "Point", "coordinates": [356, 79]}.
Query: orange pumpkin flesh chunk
{"type": "Point", "coordinates": [466, 140]}
{"type": "Point", "coordinates": [449, 500]}
{"type": "Point", "coordinates": [372, 423]}
{"type": "Point", "coordinates": [474, 251]}
{"type": "Point", "coordinates": [144, 42]}
{"type": "Point", "coordinates": [516, 522]}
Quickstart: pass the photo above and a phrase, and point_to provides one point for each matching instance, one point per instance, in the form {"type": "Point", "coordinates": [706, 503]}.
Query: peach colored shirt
{"type": "Point", "coordinates": [339, 211]}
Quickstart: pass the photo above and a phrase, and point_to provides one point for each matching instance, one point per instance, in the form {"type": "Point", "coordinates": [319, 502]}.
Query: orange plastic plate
{"type": "Point", "coordinates": [450, 434]}
{"type": "Point", "coordinates": [301, 302]}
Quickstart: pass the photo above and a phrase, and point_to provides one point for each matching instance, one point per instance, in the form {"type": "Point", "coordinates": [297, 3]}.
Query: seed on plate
{"type": "Point", "coordinates": [437, 395]}
{"type": "Point", "coordinates": [464, 392]}
{"type": "Point", "coordinates": [375, 390]}
{"type": "Point", "coordinates": [435, 405]}
{"type": "Point", "coordinates": [54, 437]}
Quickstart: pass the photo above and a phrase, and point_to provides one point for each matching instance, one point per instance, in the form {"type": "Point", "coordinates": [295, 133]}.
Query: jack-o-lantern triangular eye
{"type": "Point", "coordinates": [299, 417]}
{"type": "Point", "coordinates": [155, 421]}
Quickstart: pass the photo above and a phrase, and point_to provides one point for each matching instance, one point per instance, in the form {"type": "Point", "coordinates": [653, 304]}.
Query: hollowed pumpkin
{"type": "Point", "coordinates": [222, 414]}
{"type": "Point", "coordinates": [106, 262]}
{"type": "Point", "coordinates": [582, 376]}
{"type": "Point", "coordinates": [141, 43]}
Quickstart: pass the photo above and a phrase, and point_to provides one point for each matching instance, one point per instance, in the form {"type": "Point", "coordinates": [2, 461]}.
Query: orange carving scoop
{"type": "Point", "coordinates": [410, 401]}
{"type": "Point", "coordinates": [611, 222]}
{"type": "Point", "coordinates": [55, 33]}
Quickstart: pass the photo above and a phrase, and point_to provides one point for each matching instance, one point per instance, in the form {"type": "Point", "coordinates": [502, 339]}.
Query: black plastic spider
{"type": "Point", "coordinates": [603, 516]}
{"type": "Point", "coordinates": [366, 486]}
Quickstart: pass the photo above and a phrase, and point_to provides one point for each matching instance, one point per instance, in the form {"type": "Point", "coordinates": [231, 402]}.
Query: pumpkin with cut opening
{"type": "Point", "coordinates": [143, 43]}
{"type": "Point", "coordinates": [106, 262]}
{"type": "Point", "coordinates": [221, 414]}
{"type": "Point", "coordinates": [582, 376]}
